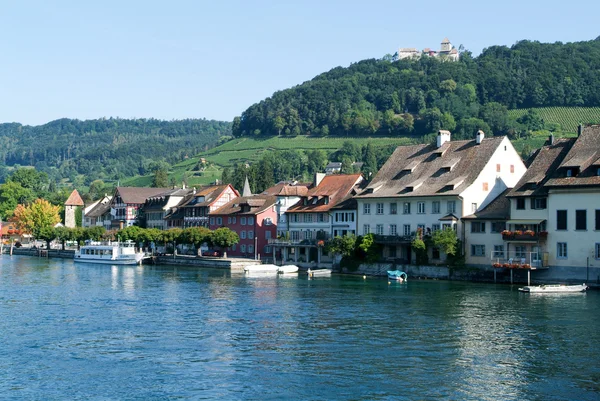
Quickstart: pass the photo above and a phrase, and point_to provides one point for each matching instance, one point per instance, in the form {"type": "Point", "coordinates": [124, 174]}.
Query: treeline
{"type": "Point", "coordinates": [417, 97]}
{"type": "Point", "coordinates": [107, 149]}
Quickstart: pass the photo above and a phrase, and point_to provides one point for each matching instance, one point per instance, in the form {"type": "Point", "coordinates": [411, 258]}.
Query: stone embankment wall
{"type": "Point", "coordinates": [53, 253]}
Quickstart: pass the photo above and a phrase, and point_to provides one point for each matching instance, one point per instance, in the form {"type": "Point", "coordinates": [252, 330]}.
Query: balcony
{"type": "Point", "coordinates": [524, 236]}
{"type": "Point", "coordinates": [301, 242]}
{"type": "Point", "coordinates": [393, 239]}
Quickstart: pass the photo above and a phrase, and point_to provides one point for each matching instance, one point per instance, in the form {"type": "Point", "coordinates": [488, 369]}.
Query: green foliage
{"type": "Point", "coordinates": [344, 246]}
{"type": "Point", "coordinates": [161, 178]}
{"type": "Point", "coordinates": [224, 237]}
{"type": "Point", "coordinates": [371, 250]}
{"type": "Point", "coordinates": [557, 118]}
{"type": "Point", "coordinates": [446, 240]}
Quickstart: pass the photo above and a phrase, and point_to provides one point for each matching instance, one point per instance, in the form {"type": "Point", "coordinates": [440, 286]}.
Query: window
{"type": "Point", "coordinates": [597, 219]}
{"type": "Point", "coordinates": [268, 221]}
{"type": "Point", "coordinates": [379, 208]}
{"type": "Point", "coordinates": [561, 250]}
{"type": "Point", "coordinates": [393, 208]}
{"type": "Point", "coordinates": [406, 208]}
{"type": "Point", "coordinates": [498, 168]}
{"type": "Point", "coordinates": [379, 229]}
{"type": "Point", "coordinates": [367, 208]}
{"type": "Point", "coordinates": [242, 234]}
{"type": "Point", "coordinates": [498, 252]}
{"type": "Point", "coordinates": [451, 206]}
{"type": "Point", "coordinates": [407, 230]}
{"type": "Point", "coordinates": [392, 252]}
{"type": "Point", "coordinates": [243, 248]}
{"type": "Point", "coordinates": [520, 252]}
{"type": "Point", "coordinates": [597, 251]}
{"type": "Point", "coordinates": [520, 203]}
{"type": "Point", "coordinates": [477, 250]}
{"type": "Point", "coordinates": [581, 219]}
{"type": "Point", "coordinates": [295, 235]}
{"type": "Point", "coordinates": [393, 229]}
{"type": "Point", "coordinates": [473, 207]}
{"type": "Point", "coordinates": [250, 221]}
{"type": "Point", "coordinates": [498, 226]}
{"type": "Point", "coordinates": [234, 219]}
{"type": "Point", "coordinates": [478, 227]}
{"type": "Point", "coordinates": [229, 220]}
{"type": "Point", "coordinates": [512, 168]}
{"type": "Point", "coordinates": [538, 203]}
{"type": "Point", "coordinates": [561, 219]}
{"type": "Point", "coordinates": [446, 225]}
{"type": "Point", "coordinates": [212, 221]}
{"type": "Point", "coordinates": [250, 248]}
{"type": "Point", "coordinates": [219, 221]}
{"type": "Point", "coordinates": [435, 227]}
{"type": "Point", "coordinates": [435, 207]}
{"type": "Point", "coordinates": [308, 218]}
{"type": "Point", "coordinates": [485, 186]}
{"type": "Point", "coordinates": [366, 229]}
{"type": "Point", "coordinates": [243, 221]}
{"type": "Point", "coordinates": [267, 234]}
{"type": "Point", "coordinates": [421, 207]}
{"type": "Point", "coordinates": [251, 234]}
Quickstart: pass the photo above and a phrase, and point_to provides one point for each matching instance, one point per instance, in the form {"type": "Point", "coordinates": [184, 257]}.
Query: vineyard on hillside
{"type": "Point", "coordinates": [568, 117]}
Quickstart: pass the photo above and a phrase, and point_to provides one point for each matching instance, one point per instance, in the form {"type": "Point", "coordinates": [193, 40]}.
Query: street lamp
{"type": "Point", "coordinates": [255, 249]}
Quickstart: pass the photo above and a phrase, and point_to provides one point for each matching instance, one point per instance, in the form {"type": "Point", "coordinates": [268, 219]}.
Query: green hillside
{"type": "Point", "coordinates": [567, 117]}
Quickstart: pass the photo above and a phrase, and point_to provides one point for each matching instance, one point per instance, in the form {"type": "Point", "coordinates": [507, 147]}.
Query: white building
{"type": "Point", "coordinates": [288, 194]}
{"type": "Point", "coordinates": [427, 187]}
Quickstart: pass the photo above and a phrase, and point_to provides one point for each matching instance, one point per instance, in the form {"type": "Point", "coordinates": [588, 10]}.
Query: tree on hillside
{"type": "Point", "coordinates": [161, 178]}
{"type": "Point", "coordinates": [37, 217]}
{"type": "Point", "coordinates": [12, 194]}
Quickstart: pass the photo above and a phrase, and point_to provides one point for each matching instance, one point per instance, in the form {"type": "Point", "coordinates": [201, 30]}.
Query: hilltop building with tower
{"type": "Point", "coordinates": [447, 52]}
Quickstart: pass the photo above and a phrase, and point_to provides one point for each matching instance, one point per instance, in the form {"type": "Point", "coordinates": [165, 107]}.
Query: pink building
{"type": "Point", "coordinates": [254, 219]}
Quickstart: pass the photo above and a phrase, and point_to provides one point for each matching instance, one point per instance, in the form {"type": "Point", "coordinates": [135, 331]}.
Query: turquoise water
{"type": "Point", "coordinates": [90, 332]}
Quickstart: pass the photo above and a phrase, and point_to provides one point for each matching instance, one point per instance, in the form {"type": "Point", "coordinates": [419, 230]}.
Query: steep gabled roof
{"type": "Point", "coordinates": [102, 207]}
{"type": "Point", "coordinates": [425, 170]}
{"type": "Point", "coordinates": [498, 209]}
{"type": "Point", "coordinates": [544, 163]}
{"type": "Point", "coordinates": [331, 190]}
{"type": "Point", "coordinates": [137, 195]}
{"type": "Point", "coordinates": [205, 196]}
{"type": "Point", "coordinates": [74, 199]}
{"type": "Point", "coordinates": [246, 205]}
{"type": "Point", "coordinates": [288, 189]}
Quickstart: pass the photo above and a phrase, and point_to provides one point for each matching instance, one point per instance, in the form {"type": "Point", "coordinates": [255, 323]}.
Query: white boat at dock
{"type": "Point", "coordinates": [109, 253]}
{"type": "Point", "coordinates": [397, 275]}
{"type": "Point", "coordinates": [319, 272]}
{"type": "Point", "coordinates": [261, 268]}
{"type": "Point", "coordinates": [554, 288]}
{"type": "Point", "coordinates": [288, 269]}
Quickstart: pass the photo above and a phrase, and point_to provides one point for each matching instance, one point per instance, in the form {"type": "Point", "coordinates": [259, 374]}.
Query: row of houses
{"type": "Point", "coordinates": [544, 215]}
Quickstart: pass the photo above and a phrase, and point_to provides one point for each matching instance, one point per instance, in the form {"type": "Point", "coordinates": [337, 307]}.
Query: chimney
{"type": "Point", "coordinates": [551, 139]}
{"type": "Point", "coordinates": [443, 137]}
{"type": "Point", "coordinates": [318, 178]}
{"type": "Point", "coordinates": [579, 129]}
{"type": "Point", "coordinates": [480, 136]}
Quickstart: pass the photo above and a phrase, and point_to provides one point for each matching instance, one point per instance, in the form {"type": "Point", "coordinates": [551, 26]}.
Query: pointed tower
{"type": "Point", "coordinates": [246, 191]}
{"type": "Point", "coordinates": [70, 206]}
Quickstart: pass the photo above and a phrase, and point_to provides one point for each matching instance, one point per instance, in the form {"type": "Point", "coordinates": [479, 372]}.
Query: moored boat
{"type": "Point", "coordinates": [287, 269]}
{"type": "Point", "coordinates": [260, 268]}
{"type": "Point", "coordinates": [554, 288]}
{"type": "Point", "coordinates": [109, 253]}
{"type": "Point", "coordinates": [397, 275]}
{"type": "Point", "coordinates": [318, 272]}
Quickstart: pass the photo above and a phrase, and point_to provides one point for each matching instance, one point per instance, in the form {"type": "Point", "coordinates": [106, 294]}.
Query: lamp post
{"type": "Point", "coordinates": [255, 249]}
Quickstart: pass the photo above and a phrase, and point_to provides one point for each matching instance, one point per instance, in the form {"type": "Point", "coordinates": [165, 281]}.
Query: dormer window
{"type": "Point", "coordinates": [598, 172]}
{"type": "Point", "coordinates": [569, 173]}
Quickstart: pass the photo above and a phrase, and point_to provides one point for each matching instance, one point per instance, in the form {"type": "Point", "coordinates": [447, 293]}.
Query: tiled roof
{"type": "Point", "coordinates": [136, 195]}
{"type": "Point", "coordinates": [425, 170]}
{"type": "Point", "coordinates": [257, 204]}
{"type": "Point", "coordinates": [157, 202]}
{"type": "Point", "coordinates": [544, 162]}
{"type": "Point", "coordinates": [209, 193]}
{"type": "Point", "coordinates": [287, 189]}
{"type": "Point", "coordinates": [99, 209]}
{"type": "Point", "coordinates": [498, 209]}
{"type": "Point", "coordinates": [330, 191]}
{"type": "Point", "coordinates": [74, 199]}
{"type": "Point", "coordinates": [583, 157]}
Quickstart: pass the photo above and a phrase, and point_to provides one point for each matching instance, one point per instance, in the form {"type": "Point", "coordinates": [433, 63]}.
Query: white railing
{"type": "Point", "coordinates": [517, 259]}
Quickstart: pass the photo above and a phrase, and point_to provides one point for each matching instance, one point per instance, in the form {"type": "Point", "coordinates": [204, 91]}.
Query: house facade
{"type": "Point", "coordinates": [288, 194]}
{"type": "Point", "coordinates": [98, 213]}
{"type": "Point", "coordinates": [126, 203]}
{"type": "Point", "coordinates": [157, 207]}
{"type": "Point", "coordinates": [204, 201]}
{"type": "Point", "coordinates": [428, 187]}
{"type": "Point", "coordinates": [253, 218]}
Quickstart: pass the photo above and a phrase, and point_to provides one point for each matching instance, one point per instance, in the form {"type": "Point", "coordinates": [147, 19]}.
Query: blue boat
{"type": "Point", "coordinates": [397, 275]}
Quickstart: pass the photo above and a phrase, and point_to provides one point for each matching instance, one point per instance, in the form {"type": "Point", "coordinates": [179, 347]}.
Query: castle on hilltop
{"type": "Point", "coordinates": [447, 51]}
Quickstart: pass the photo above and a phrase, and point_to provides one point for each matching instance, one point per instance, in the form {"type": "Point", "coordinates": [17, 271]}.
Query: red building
{"type": "Point", "coordinates": [254, 219]}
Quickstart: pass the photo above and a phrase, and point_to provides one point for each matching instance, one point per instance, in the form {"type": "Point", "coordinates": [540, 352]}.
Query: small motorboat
{"type": "Point", "coordinates": [287, 269]}
{"type": "Point", "coordinates": [397, 275]}
{"type": "Point", "coordinates": [261, 268]}
{"type": "Point", "coordinates": [554, 288]}
{"type": "Point", "coordinates": [319, 272]}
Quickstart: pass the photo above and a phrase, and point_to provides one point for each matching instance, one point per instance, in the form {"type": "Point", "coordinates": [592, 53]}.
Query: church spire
{"type": "Point", "coordinates": [247, 191]}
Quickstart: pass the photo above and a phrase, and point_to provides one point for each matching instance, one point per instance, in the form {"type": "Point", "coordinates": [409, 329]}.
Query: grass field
{"type": "Point", "coordinates": [568, 117]}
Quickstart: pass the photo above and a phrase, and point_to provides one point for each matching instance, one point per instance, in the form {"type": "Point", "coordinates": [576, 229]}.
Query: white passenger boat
{"type": "Point", "coordinates": [259, 268]}
{"type": "Point", "coordinates": [319, 272]}
{"type": "Point", "coordinates": [287, 269]}
{"type": "Point", "coordinates": [110, 253]}
{"type": "Point", "coordinates": [554, 288]}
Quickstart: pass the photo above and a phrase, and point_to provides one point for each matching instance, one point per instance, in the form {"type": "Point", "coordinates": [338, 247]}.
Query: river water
{"type": "Point", "coordinates": [93, 332]}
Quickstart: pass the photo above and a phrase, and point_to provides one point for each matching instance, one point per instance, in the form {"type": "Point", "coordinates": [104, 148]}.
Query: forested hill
{"type": "Point", "coordinates": [420, 96]}
{"type": "Point", "coordinates": [108, 149]}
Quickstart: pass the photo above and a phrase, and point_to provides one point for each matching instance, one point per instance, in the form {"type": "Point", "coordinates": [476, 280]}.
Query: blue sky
{"type": "Point", "coordinates": [212, 59]}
